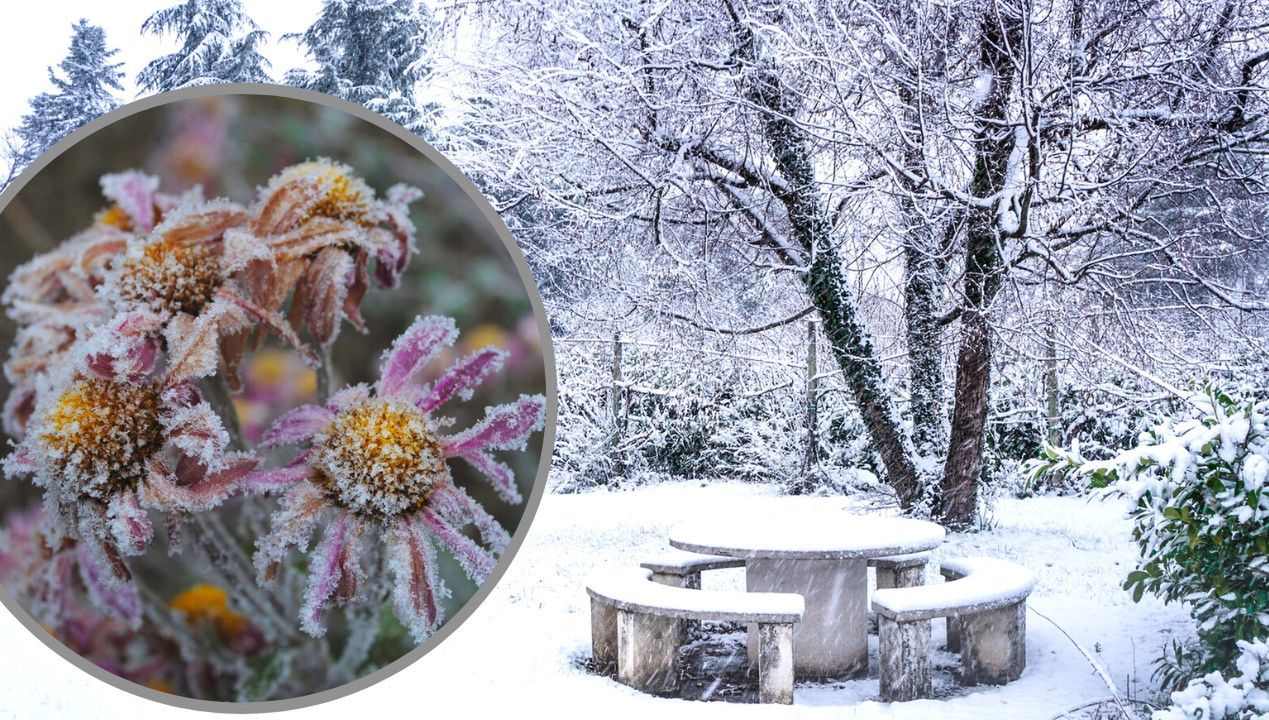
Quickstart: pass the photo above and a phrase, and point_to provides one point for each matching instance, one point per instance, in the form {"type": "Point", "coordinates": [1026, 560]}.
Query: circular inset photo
{"type": "Point", "coordinates": [277, 398]}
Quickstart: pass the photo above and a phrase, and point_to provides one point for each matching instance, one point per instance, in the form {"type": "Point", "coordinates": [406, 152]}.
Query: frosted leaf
{"type": "Point", "coordinates": [463, 377]}
{"type": "Point", "coordinates": [297, 425]}
{"type": "Point", "coordinates": [475, 560]}
{"type": "Point", "coordinates": [415, 589]}
{"type": "Point", "coordinates": [421, 342]}
{"type": "Point", "coordinates": [291, 526]}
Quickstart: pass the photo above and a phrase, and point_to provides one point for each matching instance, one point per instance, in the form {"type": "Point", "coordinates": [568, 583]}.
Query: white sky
{"type": "Point", "coordinates": [37, 37]}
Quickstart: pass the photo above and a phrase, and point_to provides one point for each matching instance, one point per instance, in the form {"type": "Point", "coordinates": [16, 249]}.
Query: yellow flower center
{"type": "Point", "coordinates": [100, 435]}
{"type": "Point", "coordinates": [171, 278]}
{"type": "Point", "coordinates": [379, 458]}
{"type": "Point", "coordinates": [343, 196]}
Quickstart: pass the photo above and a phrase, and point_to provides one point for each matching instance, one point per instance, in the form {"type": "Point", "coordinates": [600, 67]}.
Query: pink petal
{"type": "Point", "coordinates": [291, 526]}
{"type": "Point", "coordinates": [277, 478]}
{"type": "Point", "coordinates": [134, 192]}
{"type": "Point", "coordinates": [463, 377]}
{"type": "Point", "coordinates": [459, 508]}
{"type": "Point", "coordinates": [298, 425]}
{"type": "Point", "coordinates": [505, 427]}
{"type": "Point", "coordinates": [413, 350]}
{"type": "Point", "coordinates": [126, 349]}
{"type": "Point", "coordinates": [19, 462]}
{"type": "Point", "coordinates": [325, 570]}
{"type": "Point", "coordinates": [475, 560]}
{"type": "Point", "coordinates": [129, 524]}
{"type": "Point", "coordinates": [347, 397]}
{"type": "Point", "coordinates": [413, 563]}
{"type": "Point", "coordinates": [206, 491]}
{"type": "Point", "coordinates": [18, 409]}
{"type": "Point", "coordinates": [499, 474]}
{"type": "Point", "coordinates": [393, 258]}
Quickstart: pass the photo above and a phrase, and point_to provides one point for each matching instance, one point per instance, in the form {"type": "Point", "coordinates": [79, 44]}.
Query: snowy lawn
{"type": "Point", "coordinates": [526, 641]}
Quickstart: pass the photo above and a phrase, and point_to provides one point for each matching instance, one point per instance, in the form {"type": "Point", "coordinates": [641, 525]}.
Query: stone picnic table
{"type": "Point", "coordinates": [822, 556]}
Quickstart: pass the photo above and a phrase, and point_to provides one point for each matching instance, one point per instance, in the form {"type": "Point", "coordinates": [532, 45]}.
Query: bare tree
{"type": "Point", "coordinates": [844, 156]}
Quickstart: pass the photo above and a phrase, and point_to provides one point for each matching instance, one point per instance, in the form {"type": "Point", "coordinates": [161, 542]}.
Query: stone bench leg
{"type": "Point", "coordinates": [905, 659]}
{"type": "Point", "coordinates": [603, 632]}
{"type": "Point", "coordinates": [691, 581]}
{"type": "Point", "coordinates": [954, 634]}
{"type": "Point", "coordinates": [648, 651]}
{"type": "Point", "coordinates": [775, 663]}
{"type": "Point", "coordinates": [902, 578]}
{"type": "Point", "coordinates": [994, 645]}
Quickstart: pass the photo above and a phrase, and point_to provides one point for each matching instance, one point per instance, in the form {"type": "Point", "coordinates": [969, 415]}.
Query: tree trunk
{"type": "Point", "coordinates": [825, 281]}
{"type": "Point", "coordinates": [1001, 34]}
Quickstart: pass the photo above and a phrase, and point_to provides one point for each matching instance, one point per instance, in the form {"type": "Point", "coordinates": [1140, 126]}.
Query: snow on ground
{"type": "Point", "coordinates": [521, 648]}
{"type": "Point", "coordinates": [525, 640]}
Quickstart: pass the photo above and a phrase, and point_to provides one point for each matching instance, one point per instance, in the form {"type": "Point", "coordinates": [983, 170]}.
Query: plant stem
{"type": "Point", "coordinates": [324, 375]}
{"type": "Point", "coordinates": [222, 402]}
{"type": "Point", "coordinates": [227, 557]}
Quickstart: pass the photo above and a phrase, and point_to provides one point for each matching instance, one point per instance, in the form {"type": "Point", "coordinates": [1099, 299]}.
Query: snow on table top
{"type": "Point", "coordinates": [679, 562]}
{"type": "Point", "coordinates": [807, 535]}
{"type": "Point", "coordinates": [630, 588]}
{"type": "Point", "coordinates": [985, 584]}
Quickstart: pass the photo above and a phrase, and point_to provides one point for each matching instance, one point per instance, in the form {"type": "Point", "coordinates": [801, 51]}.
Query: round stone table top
{"type": "Point", "coordinates": [815, 535]}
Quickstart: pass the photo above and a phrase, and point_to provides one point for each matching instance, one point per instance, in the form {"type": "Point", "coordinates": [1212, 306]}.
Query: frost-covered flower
{"type": "Point", "coordinates": [179, 280]}
{"type": "Point", "coordinates": [321, 226]}
{"type": "Point", "coordinates": [106, 444]}
{"type": "Point", "coordinates": [377, 461]}
{"type": "Point", "coordinates": [53, 297]}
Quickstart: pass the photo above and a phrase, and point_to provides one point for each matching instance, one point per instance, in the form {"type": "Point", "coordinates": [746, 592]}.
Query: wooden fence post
{"type": "Point", "coordinates": [812, 400]}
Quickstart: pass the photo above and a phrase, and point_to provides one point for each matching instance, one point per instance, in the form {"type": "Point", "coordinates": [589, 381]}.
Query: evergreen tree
{"type": "Point", "coordinates": [218, 45]}
{"type": "Point", "coordinates": [82, 93]}
{"type": "Point", "coordinates": [369, 52]}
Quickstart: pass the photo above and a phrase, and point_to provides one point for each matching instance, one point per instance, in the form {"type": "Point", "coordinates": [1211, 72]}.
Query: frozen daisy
{"type": "Point", "coordinates": [376, 461]}
{"type": "Point", "coordinates": [106, 444]}
{"type": "Point", "coordinates": [180, 280]}
{"type": "Point", "coordinates": [321, 226]}
{"type": "Point", "coordinates": [53, 297]}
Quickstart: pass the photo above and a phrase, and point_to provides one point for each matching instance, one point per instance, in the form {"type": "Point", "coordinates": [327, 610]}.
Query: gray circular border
{"type": "Point", "coordinates": [548, 436]}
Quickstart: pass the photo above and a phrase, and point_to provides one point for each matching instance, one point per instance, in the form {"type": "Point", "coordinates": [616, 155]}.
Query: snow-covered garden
{"type": "Point", "coordinates": [996, 264]}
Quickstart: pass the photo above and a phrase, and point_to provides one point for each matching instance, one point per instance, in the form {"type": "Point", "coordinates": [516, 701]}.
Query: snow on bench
{"type": "Point", "coordinates": [985, 602]}
{"type": "Point", "coordinates": [639, 623]}
{"type": "Point", "coordinates": [682, 568]}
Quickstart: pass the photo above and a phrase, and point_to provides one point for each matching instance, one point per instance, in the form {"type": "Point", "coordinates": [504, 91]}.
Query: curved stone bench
{"type": "Point", "coordinates": [683, 569]}
{"type": "Point", "coordinates": [648, 628]}
{"type": "Point", "coordinates": [986, 597]}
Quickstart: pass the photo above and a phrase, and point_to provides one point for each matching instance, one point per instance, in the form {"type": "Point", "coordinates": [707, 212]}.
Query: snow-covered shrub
{"type": "Point", "coordinates": [1243, 696]}
{"type": "Point", "coordinates": [1200, 487]}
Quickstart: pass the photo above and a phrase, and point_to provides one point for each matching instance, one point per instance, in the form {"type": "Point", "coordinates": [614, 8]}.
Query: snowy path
{"type": "Point", "coordinates": [518, 650]}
